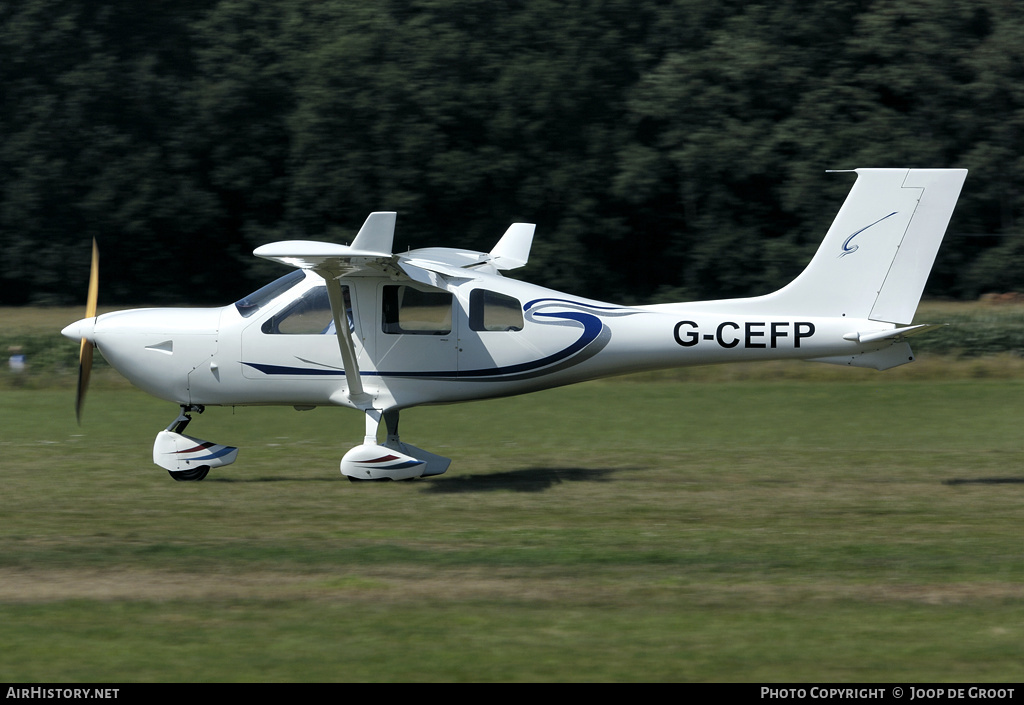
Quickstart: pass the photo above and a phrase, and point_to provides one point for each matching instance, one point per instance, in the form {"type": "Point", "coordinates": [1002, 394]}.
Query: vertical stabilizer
{"type": "Point", "coordinates": [876, 257]}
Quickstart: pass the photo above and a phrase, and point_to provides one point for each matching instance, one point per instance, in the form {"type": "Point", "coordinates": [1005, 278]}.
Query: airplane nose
{"type": "Point", "coordinates": [84, 328]}
{"type": "Point", "coordinates": [156, 349]}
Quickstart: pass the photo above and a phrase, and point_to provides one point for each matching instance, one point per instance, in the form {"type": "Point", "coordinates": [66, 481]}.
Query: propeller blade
{"type": "Point", "coordinates": [85, 351]}
{"type": "Point", "coordinates": [84, 369]}
{"type": "Point", "coordinates": [94, 282]}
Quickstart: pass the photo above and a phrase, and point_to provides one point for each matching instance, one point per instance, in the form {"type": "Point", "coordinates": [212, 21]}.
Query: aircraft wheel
{"type": "Point", "coordinates": [194, 475]}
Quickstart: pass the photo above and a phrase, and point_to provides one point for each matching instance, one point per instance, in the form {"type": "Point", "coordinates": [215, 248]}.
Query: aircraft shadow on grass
{"type": "Point", "coordinates": [544, 478]}
{"type": "Point", "coordinates": [524, 480]}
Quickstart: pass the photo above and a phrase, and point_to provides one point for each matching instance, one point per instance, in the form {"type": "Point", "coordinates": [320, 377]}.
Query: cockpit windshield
{"type": "Point", "coordinates": [256, 300]}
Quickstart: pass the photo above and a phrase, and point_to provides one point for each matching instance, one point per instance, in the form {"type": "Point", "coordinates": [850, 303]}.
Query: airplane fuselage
{"type": "Point", "coordinates": [448, 351]}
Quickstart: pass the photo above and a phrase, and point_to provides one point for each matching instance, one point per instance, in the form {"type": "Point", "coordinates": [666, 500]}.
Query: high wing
{"type": "Point", "coordinates": [370, 250]}
{"type": "Point", "coordinates": [371, 254]}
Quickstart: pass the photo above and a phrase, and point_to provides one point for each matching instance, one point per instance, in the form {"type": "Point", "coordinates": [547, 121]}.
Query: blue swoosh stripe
{"type": "Point", "coordinates": [285, 370]}
{"type": "Point", "coordinates": [847, 250]}
{"type": "Point", "coordinates": [592, 329]}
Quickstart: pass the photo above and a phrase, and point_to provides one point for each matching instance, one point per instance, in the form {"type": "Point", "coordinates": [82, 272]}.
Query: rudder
{"type": "Point", "coordinates": [904, 283]}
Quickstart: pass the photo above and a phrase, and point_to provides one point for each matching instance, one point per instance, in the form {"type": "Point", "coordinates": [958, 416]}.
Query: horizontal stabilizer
{"type": "Point", "coordinates": [893, 333]}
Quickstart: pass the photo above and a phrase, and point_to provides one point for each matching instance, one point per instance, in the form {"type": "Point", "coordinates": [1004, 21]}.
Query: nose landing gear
{"type": "Point", "coordinates": [185, 458]}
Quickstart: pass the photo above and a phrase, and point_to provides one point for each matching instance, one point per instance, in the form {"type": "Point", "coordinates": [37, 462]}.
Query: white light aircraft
{"type": "Point", "coordinates": [362, 327]}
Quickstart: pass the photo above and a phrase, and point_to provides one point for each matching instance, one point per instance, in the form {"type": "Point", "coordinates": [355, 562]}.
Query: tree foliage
{"type": "Point", "coordinates": [666, 150]}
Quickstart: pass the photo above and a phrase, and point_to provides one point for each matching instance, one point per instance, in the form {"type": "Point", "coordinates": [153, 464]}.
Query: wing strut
{"type": "Point", "coordinates": [344, 333]}
{"type": "Point", "coordinates": [370, 250]}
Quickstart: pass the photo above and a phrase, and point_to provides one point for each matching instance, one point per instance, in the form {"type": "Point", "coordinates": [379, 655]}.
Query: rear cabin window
{"type": "Point", "coordinates": [489, 310]}
{"type": "Point", "coordinates": [411, 311]}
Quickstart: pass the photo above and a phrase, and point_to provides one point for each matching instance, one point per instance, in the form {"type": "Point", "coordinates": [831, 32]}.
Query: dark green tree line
{"type": "Point", "coordinates": [666, 150]}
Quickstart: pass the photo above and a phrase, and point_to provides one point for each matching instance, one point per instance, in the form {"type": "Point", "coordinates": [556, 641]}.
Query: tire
{"type": "Point", "coordinates": [193, 475]}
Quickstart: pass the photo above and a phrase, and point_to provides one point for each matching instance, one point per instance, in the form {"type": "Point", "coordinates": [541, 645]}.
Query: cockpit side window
{"type": "Point", "coordinates": [411, 311]}
{"type": "Point", "coordinates": [309, 315]}
{"type": "Point", "coordinates": [259, 298]}
{"type": "Point", "coordinates": [491, 311]}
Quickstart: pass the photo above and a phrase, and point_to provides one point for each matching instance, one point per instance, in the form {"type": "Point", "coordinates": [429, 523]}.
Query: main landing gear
{"type": "Point", "coordinates": [185, 458]}
{"type": "Point", "coordinates": [392, 460]}
{"type": "Point", "coordinates": [189, 459]}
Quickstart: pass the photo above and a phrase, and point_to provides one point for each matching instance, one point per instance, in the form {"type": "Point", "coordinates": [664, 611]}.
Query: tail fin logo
{"type": "Point", "coordinates": [849, 249]}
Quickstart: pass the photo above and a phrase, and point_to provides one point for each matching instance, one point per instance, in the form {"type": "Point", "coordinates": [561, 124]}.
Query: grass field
{"type": "Point", "coordinates": [790, 522]}
{"type": "Point", "coordinates": [626, 530]}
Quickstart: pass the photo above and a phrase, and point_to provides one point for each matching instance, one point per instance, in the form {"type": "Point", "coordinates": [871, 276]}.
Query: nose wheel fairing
{"type": "Point", "coordinates": [176, 453]}
{"type": "Point", "coordinates": [188, 458]}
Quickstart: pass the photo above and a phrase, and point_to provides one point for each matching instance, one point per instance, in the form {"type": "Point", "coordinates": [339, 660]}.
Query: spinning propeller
{"type": "Point", "coordinates": [85, 352]}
